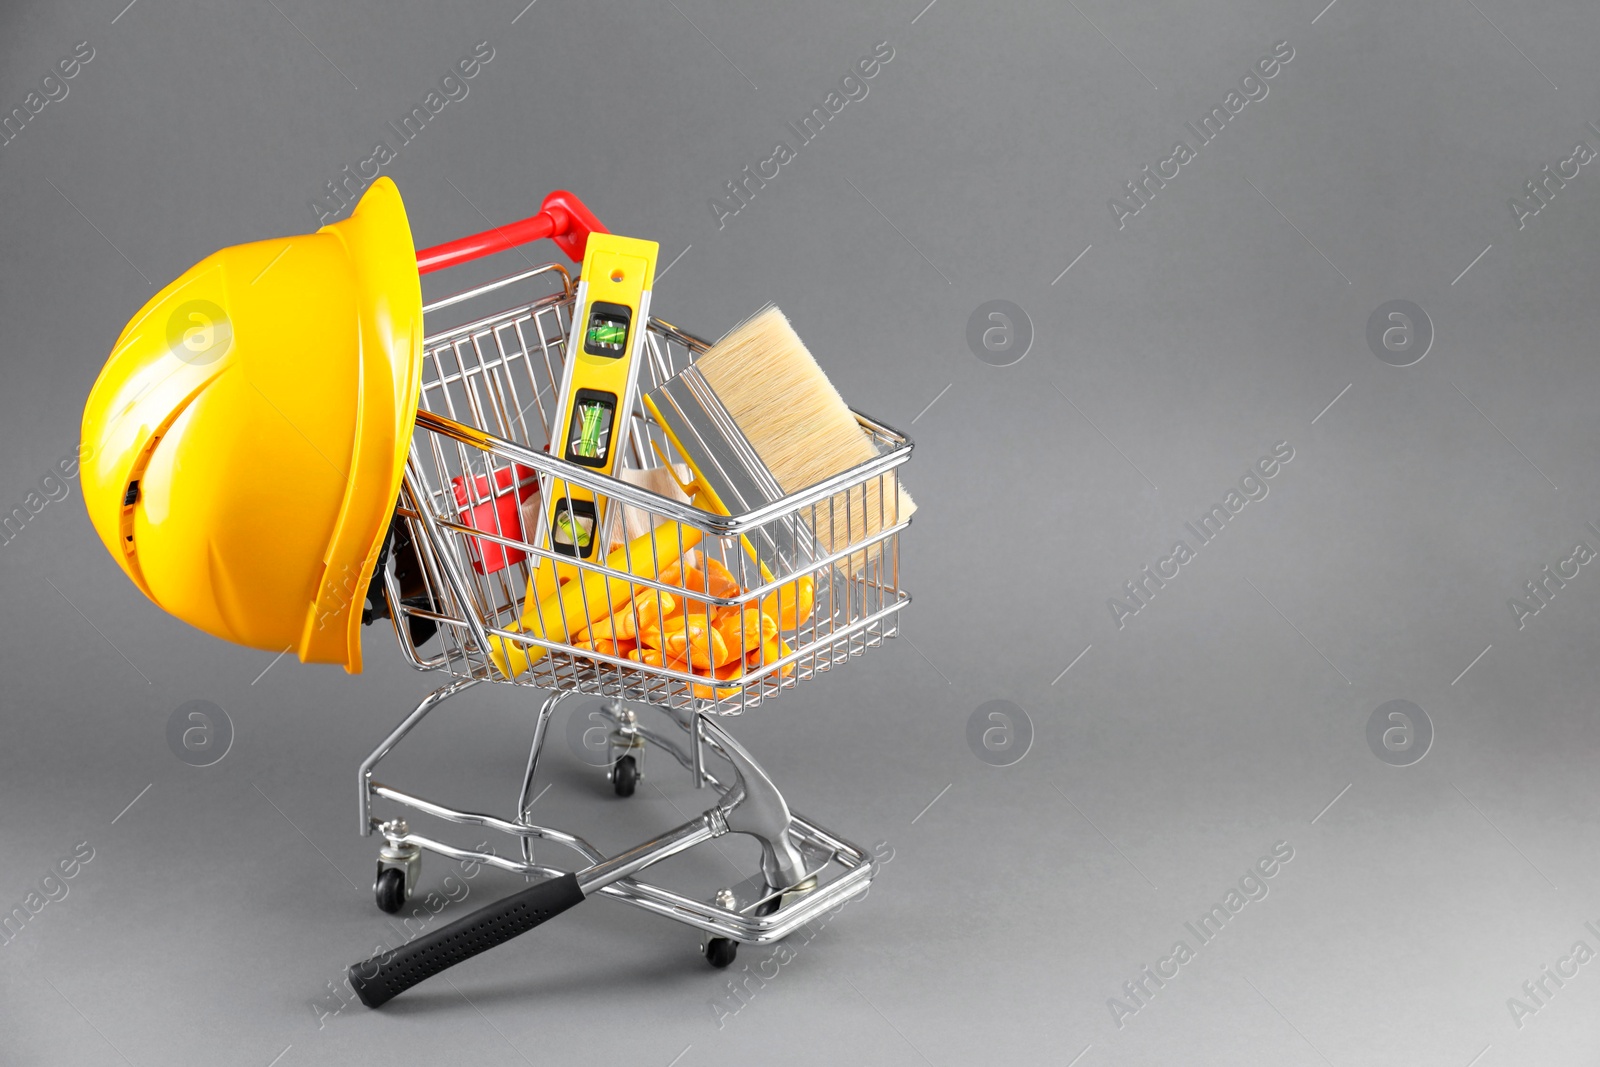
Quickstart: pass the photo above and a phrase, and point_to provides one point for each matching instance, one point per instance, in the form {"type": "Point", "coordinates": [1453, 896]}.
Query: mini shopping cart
{"type": "Point", "coordinates": [454, 581]}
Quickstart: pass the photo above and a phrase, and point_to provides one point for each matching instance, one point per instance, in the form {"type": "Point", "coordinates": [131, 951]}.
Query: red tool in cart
{"type": "Point", "coordinates": [496, 510]}
{"type": "Point", "coordinates": [417, 479]}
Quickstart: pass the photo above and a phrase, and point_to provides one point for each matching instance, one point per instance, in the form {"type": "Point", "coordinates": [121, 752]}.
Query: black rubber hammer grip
{"type": "Point", "coordinates": [381, 978]}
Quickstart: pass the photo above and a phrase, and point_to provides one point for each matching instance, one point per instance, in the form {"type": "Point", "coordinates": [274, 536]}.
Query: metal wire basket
{"type": "Point", "coordinates": [488, 387]}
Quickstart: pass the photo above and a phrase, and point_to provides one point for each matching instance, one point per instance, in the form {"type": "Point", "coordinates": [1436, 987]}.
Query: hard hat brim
{"type": "Point", "coordinates": [389, 306]}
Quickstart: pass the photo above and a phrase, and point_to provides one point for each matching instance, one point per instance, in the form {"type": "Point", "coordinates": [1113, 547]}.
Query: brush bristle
{"type": "Point", "coordinates": [800, 426]}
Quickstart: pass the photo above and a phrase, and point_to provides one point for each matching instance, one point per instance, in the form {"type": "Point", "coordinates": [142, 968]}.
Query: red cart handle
{"type": "Point", "coordinates": [562, 217]}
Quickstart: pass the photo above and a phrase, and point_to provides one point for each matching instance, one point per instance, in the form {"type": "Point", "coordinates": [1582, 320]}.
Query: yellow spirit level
{"type": "Point", "coordinates": [598, 387]}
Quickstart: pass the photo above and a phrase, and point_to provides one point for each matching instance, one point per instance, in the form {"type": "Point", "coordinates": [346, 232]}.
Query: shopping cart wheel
{"type": "Point", "coordinates": [624, 776]}
{"type": "Point", "coordinates": [390, 889]}
{"type": "Point", "coordinates": [720, 951]}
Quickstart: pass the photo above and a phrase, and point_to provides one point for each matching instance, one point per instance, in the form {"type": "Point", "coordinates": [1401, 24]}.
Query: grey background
{"type": "Point", "coordinates": [1224, 717]}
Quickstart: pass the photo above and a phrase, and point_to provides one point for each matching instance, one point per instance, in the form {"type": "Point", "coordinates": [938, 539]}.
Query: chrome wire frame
{"type": "Point", "coordinates": [834, 870]}
{"type": "Point", "coordinates": [488, 390]}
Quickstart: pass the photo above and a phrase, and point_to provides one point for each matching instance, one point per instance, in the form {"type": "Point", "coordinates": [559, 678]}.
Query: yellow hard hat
{"type": "Point", "coordinates": [245, 442]}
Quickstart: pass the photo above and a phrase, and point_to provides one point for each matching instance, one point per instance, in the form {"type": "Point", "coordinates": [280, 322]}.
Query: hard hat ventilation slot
{"type": "Point", "coordinates": [130, 497]}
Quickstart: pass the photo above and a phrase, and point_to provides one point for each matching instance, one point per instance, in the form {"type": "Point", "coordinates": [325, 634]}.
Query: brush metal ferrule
{"type": "Point", "coordinates": [711, 442]}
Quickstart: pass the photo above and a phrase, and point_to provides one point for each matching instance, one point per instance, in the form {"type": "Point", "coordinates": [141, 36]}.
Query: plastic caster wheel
{"type": "Point", "coordinates": [720, 951]}
{"type": "Point", "coordinates": [390, 889]}
{"type": "Point", "coordinates": [624, 777]}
